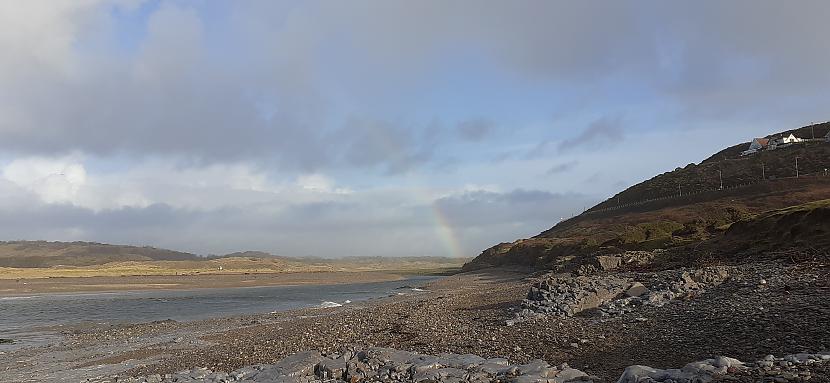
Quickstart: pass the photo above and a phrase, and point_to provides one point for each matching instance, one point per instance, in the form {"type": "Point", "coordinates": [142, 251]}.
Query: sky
{"type": "Point", "coordinates": [376, 128]}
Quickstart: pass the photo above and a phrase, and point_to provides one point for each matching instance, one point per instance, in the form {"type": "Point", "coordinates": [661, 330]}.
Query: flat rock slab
{"type": "Point", "coordinates": [380, 364]}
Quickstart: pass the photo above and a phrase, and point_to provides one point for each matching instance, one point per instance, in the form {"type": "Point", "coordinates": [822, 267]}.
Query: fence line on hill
{"type": "Point", "coordinates": [698, 192]}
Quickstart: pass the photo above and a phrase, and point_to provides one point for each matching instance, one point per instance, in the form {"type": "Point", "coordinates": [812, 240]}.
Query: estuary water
{"type": "Point", "coordinates": [31, 320]}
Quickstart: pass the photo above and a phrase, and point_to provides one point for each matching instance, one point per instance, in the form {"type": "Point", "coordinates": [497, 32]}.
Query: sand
{"type": "Point", "coordinates": [19, 287]}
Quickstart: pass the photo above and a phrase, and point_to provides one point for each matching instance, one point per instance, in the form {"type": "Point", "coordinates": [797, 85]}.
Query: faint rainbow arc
{"type": "Point", "coordinates": [444, 227]}
{"type": "Point", "coordinates": [446, 232]}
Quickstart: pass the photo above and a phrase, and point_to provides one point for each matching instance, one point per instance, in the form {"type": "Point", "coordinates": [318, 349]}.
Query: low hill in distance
{"type": "Point", "coordinates": [49, 254]}
{"type": "Point", "coordinates": [40, 259]}
{"type": "Point", "coordinates": [655, 215]}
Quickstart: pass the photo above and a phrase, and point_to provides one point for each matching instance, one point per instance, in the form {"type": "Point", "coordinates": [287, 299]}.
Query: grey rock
{"type": "Point", "coordinates": [331, 368]}
{"type": "Point", "coordinates": [636, 374]}
{"type": "Point", "coordinates": [637, 289]}
{"type": "Point", "coordinates": [569, 374]}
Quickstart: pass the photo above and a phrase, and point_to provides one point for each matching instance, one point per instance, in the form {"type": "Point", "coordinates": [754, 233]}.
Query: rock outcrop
{"type": "Point", "coordinates": [791, 368]}
{"type": "Point", "coordinates": [379, 365]}
{"type": "Point", "coordinates": [390, 365]}
{"type": "Point", "coordinates": [565, 295]}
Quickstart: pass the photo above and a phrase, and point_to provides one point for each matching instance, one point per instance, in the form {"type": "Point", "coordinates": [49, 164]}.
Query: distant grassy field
{"type": "Point", "coordinates": [236, 265]}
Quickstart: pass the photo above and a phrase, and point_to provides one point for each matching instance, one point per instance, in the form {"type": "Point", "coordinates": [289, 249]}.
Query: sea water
{"type": "Point", "coordinates": [37, 319]}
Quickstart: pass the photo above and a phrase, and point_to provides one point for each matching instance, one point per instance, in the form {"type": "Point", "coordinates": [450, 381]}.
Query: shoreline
{"type": "Point", "coordinates": [10, 288]}
{"type": "Point", "coordinates": [468, 313]}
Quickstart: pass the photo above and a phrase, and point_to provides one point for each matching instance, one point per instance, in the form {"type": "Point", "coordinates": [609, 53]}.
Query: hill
{"type": "Point", "coordinates": [49, 254]}
{"type": "Point", "coordinates": [682, 209]}
{"type": "Point", "coordinates": [41, 259]}
{"type": "Point", "coordinates": [804, 227]}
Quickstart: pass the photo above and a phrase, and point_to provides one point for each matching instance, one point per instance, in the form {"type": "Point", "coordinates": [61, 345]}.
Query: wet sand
{"type": "Point", "coordinates": [19, 287]}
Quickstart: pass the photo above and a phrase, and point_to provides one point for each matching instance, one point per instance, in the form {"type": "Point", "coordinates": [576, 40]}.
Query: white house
{"type": "Point", "coordinates": [756, 145]}
{"type": "Point", "coordinates": [784, 141]}
{"type": "Point", "coordinates": [791, 139]}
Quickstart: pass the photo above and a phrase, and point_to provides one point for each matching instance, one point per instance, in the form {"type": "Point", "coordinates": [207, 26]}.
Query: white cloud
{"type": "Point", "coordinates": [320, 184]}
{"type": "Point", "coordinates": [54, 181]}
{"type": "Point", "coordinates": [169, 182]}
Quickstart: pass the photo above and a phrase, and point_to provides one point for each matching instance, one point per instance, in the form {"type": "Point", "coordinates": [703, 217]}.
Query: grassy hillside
{"type": "Point", "coordinates": [805, 227]}
{"type": "Point", "coordinates": [653, 214]}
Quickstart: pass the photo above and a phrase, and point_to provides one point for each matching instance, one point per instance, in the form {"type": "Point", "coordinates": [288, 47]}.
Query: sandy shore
{"type": "Point", "coordinates": [18, 287]}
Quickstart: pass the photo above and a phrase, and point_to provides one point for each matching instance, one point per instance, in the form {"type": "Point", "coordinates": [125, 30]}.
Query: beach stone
{"type": "Point", "coordinates": [357, 370]}
{"type": "Point", "coordinates": [299, 364]}
{"type": "Point", "coordinates": [244, 372]}
{"type": "Point", "coordinates": [597, 264]}
{"type": "Point", "coordinates": [534, 367]}
{"type": "Point", "coordinates": [636, 374]}
{"type": "Point", "coordinates": [498, 361]}
{"type": "Point", "coordinates": [637, 289]}
{"type": "Point", "coordinates": [386, 355]}
{"type": "Point", "coordinates": [526, 379]}
{"type": "Point", "coordinates": [569, 374]}
{"type": "Point", "coordinates": [727, 362]}
{"type": "Point", "coordinates": [331, 368]}
{"type": "Point", "coordinates": [492, 368]}
{"type": "Point", "coordinates": [464, 362]}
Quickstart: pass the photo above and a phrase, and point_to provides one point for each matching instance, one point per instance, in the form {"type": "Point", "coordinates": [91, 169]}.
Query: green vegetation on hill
{"type": "Point", "coordinates": [805, 226]}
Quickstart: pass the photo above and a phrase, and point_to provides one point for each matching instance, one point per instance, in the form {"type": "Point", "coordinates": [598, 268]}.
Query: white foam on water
{"type": "Point", "coordinates": [15, 298]}
{"type": "Point", "coordinates": [328, 304]}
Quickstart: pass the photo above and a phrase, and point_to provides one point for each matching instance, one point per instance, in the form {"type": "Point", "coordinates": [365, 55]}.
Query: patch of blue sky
{"type": "Point", "coordinates": [130, 25]}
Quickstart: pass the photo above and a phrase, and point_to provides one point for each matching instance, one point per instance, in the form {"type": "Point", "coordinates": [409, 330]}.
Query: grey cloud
{"type": "Point", "coordinates": [176, 96]}
{"type": "Point", "coordinates": [475, 130]}
{"type": "Point", "coordinates": [532, 207]}
{"type": "Point", "coordinates": [394, 147]}
{"type": "Point", "coordinates": [562, 167]}
{"type": "Point", "coordinates": [606, 131]}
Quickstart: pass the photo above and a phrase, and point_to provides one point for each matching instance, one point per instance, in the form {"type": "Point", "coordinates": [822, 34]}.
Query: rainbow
{"type": "Point", "coordinates": [443, 226]}
{"type": "Point", "coordinates": [446, 232]}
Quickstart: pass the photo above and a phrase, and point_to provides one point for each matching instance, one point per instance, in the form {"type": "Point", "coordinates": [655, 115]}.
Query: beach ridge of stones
{"type": "Point", "coordinates": [565, 295]}
{"type": "Point", "coordinates": [390, 365]}
{"type": "Point", "coordinates": [378, 365]}
{"type": "Point", "coordinates": [790, 368]}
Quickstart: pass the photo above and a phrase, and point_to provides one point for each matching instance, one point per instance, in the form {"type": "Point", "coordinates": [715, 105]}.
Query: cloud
{"type": "Point", "coordinates": [604, 132]}
{"type": "Point", "coordinates": [215, 208]}
{"type": "Point", "coordinates": [562, 167]}
{"type": "Point", "coordinates": [475, 130]}
{"type": "Point", "coordinates": [279, 83]}
{"type": "Point", "coordinates": [360, 225]}
{"type": "Point", "coordinates": [525, 207]}
{"type": "Point", "coordinates": [53, 181]}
